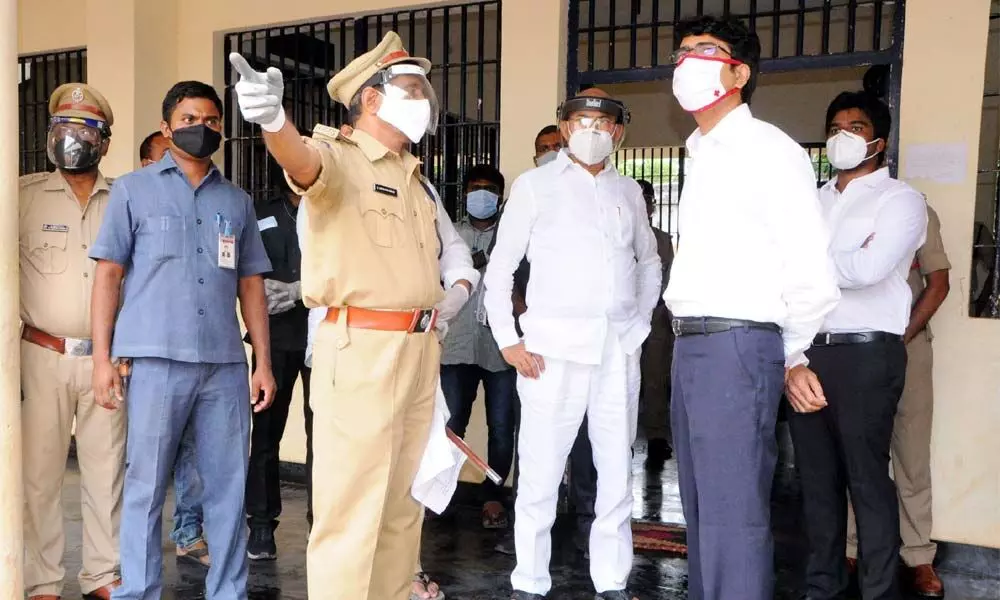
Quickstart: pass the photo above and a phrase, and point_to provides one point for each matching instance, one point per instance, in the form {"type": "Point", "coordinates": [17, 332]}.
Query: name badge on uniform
{"type": "Point", "coordinates": [267, 223]}
{"type": "Point", "coordinates": [56, 228]}
{"type": "Point", "coordinates": [384, 189]}
{"type": "Point", "coordinates": [227, 247]}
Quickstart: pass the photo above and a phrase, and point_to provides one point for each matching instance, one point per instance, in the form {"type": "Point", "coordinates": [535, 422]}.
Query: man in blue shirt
{"type": "Point", "coordinates": [186, 243]}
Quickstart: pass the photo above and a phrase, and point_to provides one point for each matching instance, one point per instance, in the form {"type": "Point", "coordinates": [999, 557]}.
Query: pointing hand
{"type": "Point", "coordinates": [259, 94]}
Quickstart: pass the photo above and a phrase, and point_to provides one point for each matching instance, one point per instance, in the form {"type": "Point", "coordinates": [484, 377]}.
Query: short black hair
{"type": "Point", "coordinates": [484, 173]}
{"type": "Point", "coordinates": [744, 45]}
{"type": "Point", "coordinates": [647, 188]}
{"type": "Point", "coordinates": [876, 111]}
{"type": "Point", "coordinates": [547, 130]}
{"type": "Point", "coordinates": [146, 147]}
{"type": "Point", "coordinates": [189, 89]}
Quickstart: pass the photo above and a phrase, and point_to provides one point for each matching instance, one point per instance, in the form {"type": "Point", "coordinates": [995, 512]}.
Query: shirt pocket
{"type": "Point", "coordinates": [165, 237]}
{"type": "Point", "coordinates": [383, 220]}
{"type": "Point", "coordinates": [622, 225]}
{"type": "Point", "coordinates": [47, 251]}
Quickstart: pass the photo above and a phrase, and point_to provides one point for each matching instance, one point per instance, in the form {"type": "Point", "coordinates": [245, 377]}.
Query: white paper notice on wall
{"type": "Point", "coordinates": [940, 163]}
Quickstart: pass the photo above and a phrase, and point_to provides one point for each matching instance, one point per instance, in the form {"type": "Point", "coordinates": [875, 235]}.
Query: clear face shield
{"type": "Point", "coordinates": [76, 144]}
{"type": "Point", "coordinates": [408, 100]}
{"type": "Point", "coordinates": [595, 127]}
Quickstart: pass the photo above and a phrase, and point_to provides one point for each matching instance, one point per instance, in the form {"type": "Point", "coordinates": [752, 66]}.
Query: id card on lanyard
{"type": "Point", "coordinates": [227, 243]}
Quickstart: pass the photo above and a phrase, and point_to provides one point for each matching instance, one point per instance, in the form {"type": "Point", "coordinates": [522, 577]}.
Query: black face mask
{"type": "Point", "coordinates": [75, 156]}
{"type": "Point", "coordinates": [199, 141]}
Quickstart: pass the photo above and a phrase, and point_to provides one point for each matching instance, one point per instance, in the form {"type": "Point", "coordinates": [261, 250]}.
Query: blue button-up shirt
{"type": "Point", "coordinates": [179, 303]}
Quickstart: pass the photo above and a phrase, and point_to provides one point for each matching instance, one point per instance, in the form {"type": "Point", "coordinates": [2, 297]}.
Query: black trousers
{"type": "Point", "coordinates": [263, 494]}
{"type": "Point", "coordinates": [845, 447]}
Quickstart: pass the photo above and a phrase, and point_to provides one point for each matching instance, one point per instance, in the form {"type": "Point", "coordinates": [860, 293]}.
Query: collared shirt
{"type": "Point", "coordinates": [276, 220]}
{"type": "Point", "coordinates": [373, 236]}
{"type": "Point", "coordinates": [55, 236]}
{"type": "Point", "coordinates": [930, 258]}
{"type": "Point", "coordinates": [877, 224]}
{"type": "Point", "coordinates": [594, 266]}
{"type": "Point", "coordinates": [179, 304]}
{"type": "Point", "coordinates": [665, 250]}
{"type": "Point", "coordinates": [469, 340]}
{"type": "Point", "coordinates": [753, 244]}
{"type": "Point", "coordinates": [455, 260]}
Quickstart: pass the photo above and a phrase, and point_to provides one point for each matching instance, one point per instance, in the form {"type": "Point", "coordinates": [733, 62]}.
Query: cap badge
{"type": "Point", "coordinates": [77, 96]}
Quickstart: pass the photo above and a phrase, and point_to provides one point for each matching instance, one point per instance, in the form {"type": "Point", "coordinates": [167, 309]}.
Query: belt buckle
{"type": "Point", "coordinates": [423, 320]}
{"type": "Point", "coordinates": [675, 325]}
{"type": "Point", "coordinates": [75, 347]}
{"type": "Point", "coordinates": [826, 339]}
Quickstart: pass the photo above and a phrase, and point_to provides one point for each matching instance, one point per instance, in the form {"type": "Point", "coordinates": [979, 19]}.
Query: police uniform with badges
{"type": "Point", "coordinates": [378, 247]}
{"type": "Point", "coordinates": [56, 230]}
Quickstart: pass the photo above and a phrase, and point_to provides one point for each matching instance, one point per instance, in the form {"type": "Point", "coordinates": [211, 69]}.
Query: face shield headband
{"type": "Point", "coordinates": [76, 144]}
{"type": "Point", "coordinates": [613, 108]}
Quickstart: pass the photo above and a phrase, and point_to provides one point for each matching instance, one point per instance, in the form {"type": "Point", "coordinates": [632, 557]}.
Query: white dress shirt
{"type": "Point", "coordinates": [872, 277]}
{"type": "Point", "coordinates": [594, 264]}
{"type": "Point", "coordinates": [752, 244]}
{"type": "Point", "coordinates": [455, 260]}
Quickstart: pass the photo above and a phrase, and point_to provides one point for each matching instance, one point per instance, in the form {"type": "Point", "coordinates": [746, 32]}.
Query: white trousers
{"type": "Point", "coordinates": [552, 409]}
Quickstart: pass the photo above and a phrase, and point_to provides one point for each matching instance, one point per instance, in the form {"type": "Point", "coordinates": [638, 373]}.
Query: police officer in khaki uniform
{"type": "Point", "coordinates": [60, 214]}
{"type": "Point", "coordinates": [378, 246]}
{"type": "Point", "coordinates": [911, 433]}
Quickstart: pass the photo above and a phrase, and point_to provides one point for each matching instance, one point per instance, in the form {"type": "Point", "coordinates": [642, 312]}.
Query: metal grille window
{"type": "Point", "coordinates": [664, 168]}
{"type": "Point", "coordinates": [39, 76]}
{"type": "Point", "coordinates": [984, 292]}
{"type": "Point", "coordinates": [461, 40]}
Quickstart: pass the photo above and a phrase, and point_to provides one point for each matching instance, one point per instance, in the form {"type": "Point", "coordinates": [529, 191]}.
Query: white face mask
{"type": "Point", "coordinates": [409, 116]}
{"type": "Point", "coordinates": [846, 150]}
{"type": "Point", "coordinates": [546, 158]}
{"type": "Point", "coordinates": [697, 83]}
{"type": "Point", "coordinates": [591, 146]}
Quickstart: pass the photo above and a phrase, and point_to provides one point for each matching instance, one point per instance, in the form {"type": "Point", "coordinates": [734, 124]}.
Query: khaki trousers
{"type": "Point", "coordinates": [56, 389]}
{"type": "Point", "coordinates": [373, 400]}
{"type": "Point", "coordinates": [657, 355]}
{"type": "Point", "coordinates": [911, 458]}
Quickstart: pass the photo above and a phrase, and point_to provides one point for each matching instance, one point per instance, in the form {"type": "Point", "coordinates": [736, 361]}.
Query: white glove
{"type": "Point", "coordinates": [260, 94]}
{"type": "Point", "coordinates": [453, 301]}
{"type": "Point", "coordinates": [281, 296]}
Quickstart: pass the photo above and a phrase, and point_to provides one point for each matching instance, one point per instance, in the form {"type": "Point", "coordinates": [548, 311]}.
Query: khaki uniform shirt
{"type": "Point", "coordinates": [930, 257]}
{"type": "Point", "coordinates": [57, 274]}
{"type": "Point", "coordinates": [372, 237]}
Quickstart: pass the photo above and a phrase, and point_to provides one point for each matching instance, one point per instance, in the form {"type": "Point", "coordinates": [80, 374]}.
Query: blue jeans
{"type": "Point", "coordinates": [460, 384]}
{"type": "Point", "coordinates": [165, 398]}
{"type": "Point", "coordinates": [188, 516]}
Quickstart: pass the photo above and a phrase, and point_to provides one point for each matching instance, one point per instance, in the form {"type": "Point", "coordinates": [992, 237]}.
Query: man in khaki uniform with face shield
{"type": "Point", "coordinates": [60, 214]}
{"type": "Point", "coordinates": [378, 246]}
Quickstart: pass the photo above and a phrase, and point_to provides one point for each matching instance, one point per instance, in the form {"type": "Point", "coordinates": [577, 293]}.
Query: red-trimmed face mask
{"type": "Point", "coordinates": [698, 84]}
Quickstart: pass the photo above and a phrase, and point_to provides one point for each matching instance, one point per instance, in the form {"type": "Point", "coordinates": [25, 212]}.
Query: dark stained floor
{"type": "Point", "coordinates": [461, 556]}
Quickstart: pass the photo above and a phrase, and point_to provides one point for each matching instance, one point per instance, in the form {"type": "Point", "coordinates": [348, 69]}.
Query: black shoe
{"type": "Point", "coordinates": [261, 545]}
{"type": "Point", "coordinates": [657, 453]}
{"type": "Point", "coordinates": [615, 595]}
{"type": "Point", "coordinates": [519, 595]}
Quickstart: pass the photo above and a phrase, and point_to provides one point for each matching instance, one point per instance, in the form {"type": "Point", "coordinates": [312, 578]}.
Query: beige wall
{"type": "Point", "coordinates": [946, 109]}
{"type": "Point", "coordinates": [137, 48]}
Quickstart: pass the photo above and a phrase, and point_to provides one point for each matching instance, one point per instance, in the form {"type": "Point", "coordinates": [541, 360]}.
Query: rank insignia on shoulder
{"type": "Point", "coordinates": [325, 133]}
{"type": "Point", "coordinates": [384, 189]}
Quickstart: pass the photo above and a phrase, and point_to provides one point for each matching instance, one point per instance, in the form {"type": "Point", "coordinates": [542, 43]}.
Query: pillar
{"type": "Point", "coordinates": [965, 446]}
{"type": "Point", "coordinates": [11, 489]}
{"type": "Point", "coordinates": [532, 77]}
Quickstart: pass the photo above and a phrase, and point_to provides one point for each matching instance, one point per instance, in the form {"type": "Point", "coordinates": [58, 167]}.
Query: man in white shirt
{"type": "Point", "coordinates": [595, 277]}
{"type": "Point", "coordinates": [877, 224]}
{"type": "Point", "coordinates": [748, 290]}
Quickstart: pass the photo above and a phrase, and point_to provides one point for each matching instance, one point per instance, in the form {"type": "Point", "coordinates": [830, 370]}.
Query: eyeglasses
{"type": "Point", "coordinates": [704, 49]}
{"type": "Point", "coordinates": [582, 122]}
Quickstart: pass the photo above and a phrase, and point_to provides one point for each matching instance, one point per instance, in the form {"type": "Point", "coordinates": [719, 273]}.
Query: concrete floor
{"type": "Point", "coordinates": [459, 554]}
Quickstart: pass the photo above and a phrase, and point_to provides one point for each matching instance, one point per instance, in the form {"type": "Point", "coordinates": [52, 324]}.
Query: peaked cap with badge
{"type": "Point", "coordinates": [353, 77]}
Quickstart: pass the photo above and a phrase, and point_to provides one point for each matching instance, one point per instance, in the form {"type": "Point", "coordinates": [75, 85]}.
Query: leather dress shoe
{"type": "Point", "coordinates": [925, 583]}
{"type": "Point", "coordinates": [103, 593]}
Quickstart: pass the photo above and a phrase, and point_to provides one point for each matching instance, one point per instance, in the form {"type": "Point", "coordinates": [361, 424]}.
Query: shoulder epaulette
{"type": "Point", "coordinates": [325, 133]}
{"type": "Point", "coordinates": [32, 178]}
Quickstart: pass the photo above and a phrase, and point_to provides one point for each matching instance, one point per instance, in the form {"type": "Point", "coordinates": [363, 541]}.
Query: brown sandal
{"type": "Point", "coordinates": [494, 515]}
{"type": "Point", "coordinates": [425, 580]}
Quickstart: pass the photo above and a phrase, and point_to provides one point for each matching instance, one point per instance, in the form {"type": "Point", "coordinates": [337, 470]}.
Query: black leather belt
{"type": "Point", "coordinates": [706, 325]}
{"type": "Point", "coordinates": [860, 337]}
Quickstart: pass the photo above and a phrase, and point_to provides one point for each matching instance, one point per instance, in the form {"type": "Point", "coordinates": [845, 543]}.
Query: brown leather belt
{"type": "Point", "coordinates": [72, 347]}
{"type": "Point", "coordinates": [410, 321]}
